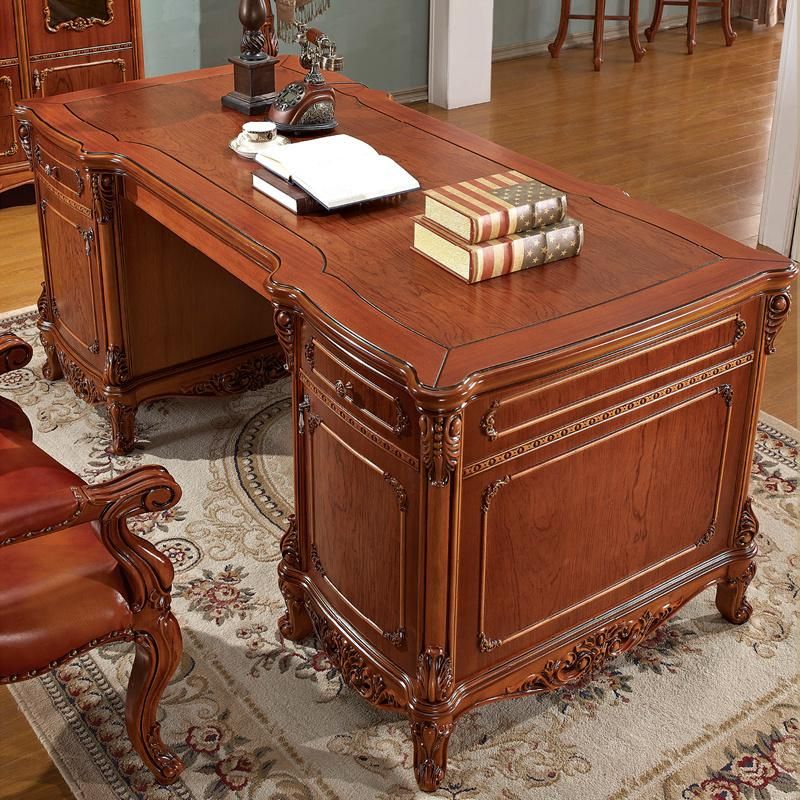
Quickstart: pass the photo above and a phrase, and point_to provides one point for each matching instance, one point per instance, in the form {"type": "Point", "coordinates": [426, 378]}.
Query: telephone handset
{"type": "Point", "coordinates": [309, 106]}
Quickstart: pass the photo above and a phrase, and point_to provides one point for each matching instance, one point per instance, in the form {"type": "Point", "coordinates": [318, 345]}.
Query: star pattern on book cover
{"type": "Point", "coordinates": [527, 192]}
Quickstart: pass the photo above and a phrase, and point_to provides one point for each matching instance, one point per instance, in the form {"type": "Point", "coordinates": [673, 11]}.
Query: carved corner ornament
{"type": "Point", "coordinates": [707, 536]}
{"type": "Point", "coordinates": [747, 529]}
{"type": "Point", "coordinates": [316, 560]}
{"type": "Point", "coordinates": [441, 446]}
{"type": "Point", "coordinates": [84, 387]}
{"type": "Point", "coordinates": [290, 545]}
{"type": "Point", "coordinates": [104, 188]}
{"type": "Point", "coordinates": [256, 373]}
{"type": "Point", "coordinates": [491, 491]}
{"type": "Point", "coordinates": [739, 332]}
{"type": "Point", "coordinates": [24, 134]}
{"type": "Point", "coordinates": [488, 424]}
{"type": "Point", "coordinates": [400, 493]}
{"type": "Point", "coordinates": [725, 391]}
{"type": "Point", "coordinates": [284, 330]}
{"type": "Point", "coordinates": [352, 666]}
{"type": "Point", "coordinates": [435, 673]}
{"type": "Point", "coordinates": [595, 651]}
{"type": "Point", "coordinates": [117, 372]}
{"type": "Point", "coordinates": [778, 306]}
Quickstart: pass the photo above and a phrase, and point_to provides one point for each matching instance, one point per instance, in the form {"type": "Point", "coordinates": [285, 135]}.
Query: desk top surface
{"type": "Point", "coordinates": [355, 270]}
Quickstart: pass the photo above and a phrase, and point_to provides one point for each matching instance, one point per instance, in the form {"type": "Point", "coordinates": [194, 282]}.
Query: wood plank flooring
{"type": "Point", "coordinates": [686, 133]}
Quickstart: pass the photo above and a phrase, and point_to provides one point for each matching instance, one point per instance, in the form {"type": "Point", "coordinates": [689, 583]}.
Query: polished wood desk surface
{"type": "Point", "coordinates": [356, 268]}
{"type": "Point", "coordinates": [435, 423]}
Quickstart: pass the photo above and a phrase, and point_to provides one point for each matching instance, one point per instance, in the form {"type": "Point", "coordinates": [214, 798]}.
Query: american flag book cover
{"type": "Point", "coordinates": [479, 262]}
{"type": "Point", "coordinates": [482, 209]}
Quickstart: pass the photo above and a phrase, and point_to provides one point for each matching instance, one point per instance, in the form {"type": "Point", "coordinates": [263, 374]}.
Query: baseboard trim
{"type": "Point", "coordinates": [414, 95]}
{"type": "Point", "coordinates": [419, 94]}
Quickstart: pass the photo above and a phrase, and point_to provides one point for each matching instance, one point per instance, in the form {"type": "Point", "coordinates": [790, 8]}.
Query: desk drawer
{"type": "Point", "coordinates": [371, 397]}
{"type": "Point", "coordinates": [503, 419]}
{"type": "Point", "coordinates": [62, 172]}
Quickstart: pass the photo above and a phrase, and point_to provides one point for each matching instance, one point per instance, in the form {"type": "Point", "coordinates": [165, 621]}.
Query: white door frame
{"type": "Point", "coordinates": [460, 52]}
{"type": "Point", "coordinates": [780, 222]}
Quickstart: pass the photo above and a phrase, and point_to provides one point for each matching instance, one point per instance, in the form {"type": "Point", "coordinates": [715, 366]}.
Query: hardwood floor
{"type": "Point", "coordinates": [686, 133]}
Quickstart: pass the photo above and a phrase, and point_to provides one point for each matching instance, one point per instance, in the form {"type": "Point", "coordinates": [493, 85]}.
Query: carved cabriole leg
{"type": "Point", "coordinates": [51, 369]}
{"type": "Point", "coordinates": [658, 12]}
{"type": "Point", "coordinates": [727, 27]}
{"type": "Point", "coordinates": [158, 654]}
{"type": "Point", "coordinates": [430, 738]}
{"type": "Point", "coordinates": [633, 32]}
{"type": "Point", "coordinates": [691, 27]}
{"type": "Point", "coordinates": [295, 624]}
{"type": "Point", "coordinates": [731, 601]}
{"type": "Point", "coordinates": [599, 27]}
{"type": "Point", "coordinates": [441, 440]}
{"type": "Point", "coordinates": [123, 426]}
{"type": "Point", "coordinates": [555, 46]}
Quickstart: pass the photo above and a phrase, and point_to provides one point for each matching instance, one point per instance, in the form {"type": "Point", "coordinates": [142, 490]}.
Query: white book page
{"type": "Point", "coordinates": [316, 155]}
{"type": "Point", "coordinates": [344, 183]}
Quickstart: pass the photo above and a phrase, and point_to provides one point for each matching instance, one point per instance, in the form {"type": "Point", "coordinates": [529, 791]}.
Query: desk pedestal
{"type": "Point", "coordinates": [129, 311]}
{"type": "Point", "coordinates": [456, 548]}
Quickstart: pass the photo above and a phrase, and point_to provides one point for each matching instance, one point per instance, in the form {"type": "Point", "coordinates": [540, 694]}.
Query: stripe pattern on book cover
{"type": "Point", "coordinates": [503, 204]}
{"type": "Point", "coordinates": [512, 253]}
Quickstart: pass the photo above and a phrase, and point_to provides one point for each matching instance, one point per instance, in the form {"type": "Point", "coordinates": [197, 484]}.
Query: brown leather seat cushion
{"type": "Point", "coordinates": [57, 593]}
{"type": "Point", "coordinates": [34, 489]}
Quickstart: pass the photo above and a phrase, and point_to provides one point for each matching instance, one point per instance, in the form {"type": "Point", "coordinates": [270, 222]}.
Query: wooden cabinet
{"type": "Point", "coordinates": [49, 48]}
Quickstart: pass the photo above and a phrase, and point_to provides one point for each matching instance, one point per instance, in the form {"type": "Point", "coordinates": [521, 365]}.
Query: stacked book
{"type": "Point", "coordinates": [487, 227]}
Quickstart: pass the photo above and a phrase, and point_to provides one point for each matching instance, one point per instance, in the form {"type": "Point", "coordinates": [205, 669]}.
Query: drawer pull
{"type": "Point", "coordinates": [50, 171]}
{"type": "Point", "coordinates": [344, 389]}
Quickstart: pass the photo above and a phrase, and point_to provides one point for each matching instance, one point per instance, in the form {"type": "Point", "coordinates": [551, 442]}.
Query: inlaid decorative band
{"type": "Point", "coordinates": [375, 438]}
{"type": "Point", "coordinates": [609, 413]}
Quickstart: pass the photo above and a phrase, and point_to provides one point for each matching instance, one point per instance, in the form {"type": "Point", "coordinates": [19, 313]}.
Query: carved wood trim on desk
{"type": "Point", "coordinates": [657, 334]}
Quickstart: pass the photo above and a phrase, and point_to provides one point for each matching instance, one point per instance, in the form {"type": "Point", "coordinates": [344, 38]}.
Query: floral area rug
{"type": "Point", "coordinates": [703, 711]}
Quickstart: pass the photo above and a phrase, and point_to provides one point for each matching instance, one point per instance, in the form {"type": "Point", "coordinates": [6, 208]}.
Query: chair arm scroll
{"type": "Point", "coordinates": [14, 353]}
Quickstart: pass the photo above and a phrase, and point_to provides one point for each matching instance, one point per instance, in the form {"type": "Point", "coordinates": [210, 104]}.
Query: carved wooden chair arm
{"type": "Point", "coordinates": [14, 353]}
{"type": "Point", "coordinates": [149, 488]}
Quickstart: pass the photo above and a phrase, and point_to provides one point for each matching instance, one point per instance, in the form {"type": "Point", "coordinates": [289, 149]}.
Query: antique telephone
{"type": "Point", "coordinates": [309, 106]}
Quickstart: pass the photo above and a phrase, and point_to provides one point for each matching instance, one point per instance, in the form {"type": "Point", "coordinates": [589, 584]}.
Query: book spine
{"type": "Point", "coordinates": [497, 224]}
{"type": "Point", "coordinates": [523, 252]}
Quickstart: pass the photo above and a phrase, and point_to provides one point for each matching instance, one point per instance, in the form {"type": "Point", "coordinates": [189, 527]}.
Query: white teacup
{"type": "Point", "coordinates": [259, 132]}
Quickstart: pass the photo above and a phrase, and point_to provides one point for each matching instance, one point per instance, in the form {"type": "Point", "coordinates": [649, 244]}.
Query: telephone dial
{"type": "Point", "coordinates": [309, 106]}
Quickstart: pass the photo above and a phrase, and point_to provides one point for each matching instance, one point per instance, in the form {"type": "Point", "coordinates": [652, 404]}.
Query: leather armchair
{"type": "Point", "coordinates": [73, 576]}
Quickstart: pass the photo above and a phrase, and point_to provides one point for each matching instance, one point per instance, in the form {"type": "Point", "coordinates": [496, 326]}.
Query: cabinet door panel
{"type": "Point", "coordinates": [69, 251]}
{"type": "Point", "coordinates": [8, 31]}
{"type": "Point", "coordinates": [360, 512]}
{"type": "Point", "coordinates": [571, 530]}
{"type": "Point", "coordinates": [61, 75]}
{"type": "Point", "coordinates": [59, 25]}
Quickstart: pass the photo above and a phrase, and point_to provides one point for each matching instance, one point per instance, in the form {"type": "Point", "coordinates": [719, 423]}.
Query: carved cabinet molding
{"type": "Point", "coordinates": [61, 47]}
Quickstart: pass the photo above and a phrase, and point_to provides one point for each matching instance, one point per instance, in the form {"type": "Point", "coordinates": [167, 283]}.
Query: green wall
{"type": "Point", "coordinates": [384, 42]}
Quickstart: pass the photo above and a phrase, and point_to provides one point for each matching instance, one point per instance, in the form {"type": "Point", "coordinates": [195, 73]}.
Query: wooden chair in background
{"type": "Point", "coordinates": [691, 19]}
{"type": "Point", "coordinates": [73, 576]}
{"type": "Point", "coordinates": [599, 17]}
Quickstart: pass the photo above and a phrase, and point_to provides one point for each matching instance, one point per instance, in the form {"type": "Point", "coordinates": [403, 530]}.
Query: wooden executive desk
{"type": "Point", "coordinates": [498, 487]}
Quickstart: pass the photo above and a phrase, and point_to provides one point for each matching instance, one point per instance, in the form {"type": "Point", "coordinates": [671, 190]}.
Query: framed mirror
{"type": "Point", "coordinates": [77, 15]}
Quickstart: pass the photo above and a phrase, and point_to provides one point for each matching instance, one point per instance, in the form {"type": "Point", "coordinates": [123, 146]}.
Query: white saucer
{"type": "Point", "coordinates": [255, 148]}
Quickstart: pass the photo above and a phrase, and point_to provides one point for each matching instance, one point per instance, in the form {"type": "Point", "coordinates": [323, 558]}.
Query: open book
{"type": "Point", "coordinates": [338, 171]}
